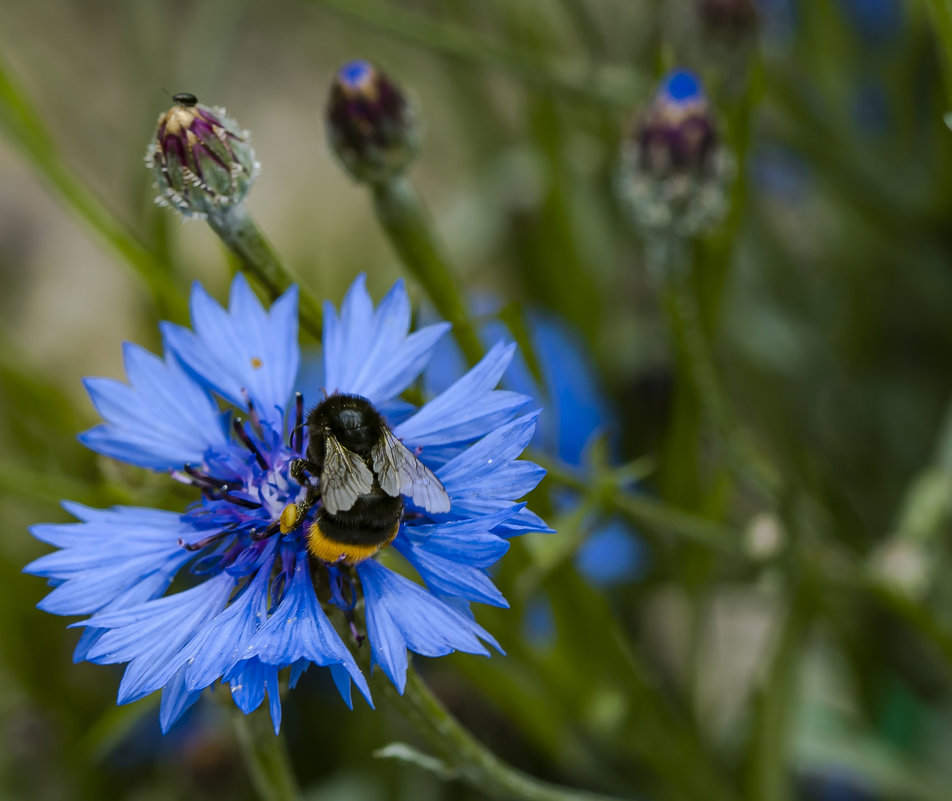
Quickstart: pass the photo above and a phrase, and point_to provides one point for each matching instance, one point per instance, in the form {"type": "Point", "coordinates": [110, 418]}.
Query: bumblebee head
{"type": "Point", "coordinates": [350, 419]}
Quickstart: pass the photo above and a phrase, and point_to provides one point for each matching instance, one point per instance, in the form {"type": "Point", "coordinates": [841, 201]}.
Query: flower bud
{"type": "Point", "coordinates": [728, 17]}
{"type": "Point", "coordinates": [677, 132]}
{"type": "Point", "coordinates": [673, 171]}
{"type": "Point", "coordinates": [201, 159]}
{"type": "Point", "coordinates": [371, 126]}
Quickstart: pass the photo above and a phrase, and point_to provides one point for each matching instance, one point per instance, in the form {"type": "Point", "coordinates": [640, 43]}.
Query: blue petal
{"type": "Point", "coordinates": [242, 350]}
{"type": "Point", "coordinates": [523, 522]}
{"type": "Point", "coordinates": [151, 636]}
{"type": "Point", "coordinates": [447, 363]}
{"type": "Point", "coordinates": [161, 419]}
{"type": "Point", "coordinates": [100, 530]}
{"type": "Point", "coordinates": [573, 405]}
{"type": "Point", "coordinates": [90, 592]}
{"type": "Point", "coordinates": [107, 555]}
{"type": "Point", "coordinates": [176, 699]}
{"type": "Point", "coordinates": [370, 353]}
{"type": "Point", "coordinates": [450, 557]}
{"type": "Point", "coordinates": [402, 615]}
{"type": "Point", "coordinates": [297, 670]}
{"type": "Point", "coordinates": [341, 678]}
{"type": "Point", "coordinates": [224, 641]}
{"type": "Point", "coordinates": [147, 588]}
{"type": "Point", "coordinates": [469, 408]}
{"type": "Point", "coordinates": [449, 577]}
{"type": "Point", "coordinates": [299, 629]}
{"type": "Point", "coordinates": [465, 540]}
{"type": "Point", "coordinates": [248, 687]}
{"type": "Point", "coordinates": [488, 470]}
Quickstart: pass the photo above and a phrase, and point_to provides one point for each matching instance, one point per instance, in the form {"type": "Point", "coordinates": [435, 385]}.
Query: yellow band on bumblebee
{"type": "Point", "coordinates": [331, 551]}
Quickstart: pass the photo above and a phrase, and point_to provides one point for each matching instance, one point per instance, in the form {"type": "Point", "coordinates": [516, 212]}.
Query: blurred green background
{"type": "Point", "coordinates": [808, 655]}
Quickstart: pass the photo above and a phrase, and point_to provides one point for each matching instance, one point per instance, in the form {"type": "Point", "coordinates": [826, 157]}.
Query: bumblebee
{"type": "Point", "coordinates": [363, 473]}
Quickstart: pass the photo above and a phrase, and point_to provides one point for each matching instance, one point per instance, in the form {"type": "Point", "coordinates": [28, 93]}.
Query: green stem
{"type": "Point", "coordinates": [769, 770]}
{"type": "Point", "coordinates": [643, 510]}
{"type": "Point", "coordinates": [265, 756]}
{"type": "Point", "coordinates": [466, 757]}
{"type": "Point", "coordinates": [942, 17]}
{"type": "Point", "coordinates": [258, 258]}
{"type": "Point", "coordinates": [682, 309]}
{"type": "Point", "coordinates": [681, 304]}
{"type": "Point", "coordinates": [411, 233]}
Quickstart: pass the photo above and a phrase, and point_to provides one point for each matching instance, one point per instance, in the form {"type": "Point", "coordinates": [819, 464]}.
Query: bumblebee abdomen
{"type": "Point", "coordinates": [356, 533]}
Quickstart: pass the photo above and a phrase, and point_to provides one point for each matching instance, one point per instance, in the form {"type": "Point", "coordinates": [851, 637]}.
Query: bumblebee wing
{"type": "Point", "coordinates": [399, 472]}
{"type": "Point", "coordinates": [343, 478]}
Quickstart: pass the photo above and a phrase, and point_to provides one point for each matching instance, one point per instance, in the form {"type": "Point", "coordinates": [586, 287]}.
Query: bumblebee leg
{"type": "Point", "coordinates": [300, 471]}
{"type": "Point", "coordinates": [263, 533]}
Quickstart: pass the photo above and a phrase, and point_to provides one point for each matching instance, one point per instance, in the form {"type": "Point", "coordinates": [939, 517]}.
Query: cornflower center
{"type": "Point", "coordinates": [247, 499]}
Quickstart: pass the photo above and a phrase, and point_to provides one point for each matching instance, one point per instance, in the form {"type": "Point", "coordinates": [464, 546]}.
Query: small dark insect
{"type": "Point", "coordinates": [185, 99]}
{"type": "Point", "coordinates": [363, 472]}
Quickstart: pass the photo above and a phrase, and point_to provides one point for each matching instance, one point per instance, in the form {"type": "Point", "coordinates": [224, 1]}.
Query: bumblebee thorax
{"type": "Point", "coordinates": [350, 419]}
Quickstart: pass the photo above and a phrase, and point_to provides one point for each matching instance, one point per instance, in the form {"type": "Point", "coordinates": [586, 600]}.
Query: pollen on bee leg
{"type": "Point", "coordinates": [290, 517]}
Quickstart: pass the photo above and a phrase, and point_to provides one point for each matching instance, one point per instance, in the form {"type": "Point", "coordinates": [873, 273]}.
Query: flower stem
{"type": "Point", "coordinates": [681, 304]}
{"type": "Point", "coordinates": [466, 757]}
{"type": "Point", "coordinates": [411, 233]}
{"type": "Point", "coordinates": [265, 756]}
{"type": "Point", "coordinates": [258, 258]}
{"type": "Point", "coordinates": [942, 19]}
{"type": "Point", "coordinates": [644, 510]}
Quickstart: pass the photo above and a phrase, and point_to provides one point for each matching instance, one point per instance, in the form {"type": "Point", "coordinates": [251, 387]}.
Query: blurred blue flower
{"type": "Point", "coordinates": [253, 601]}
{"type": "Point", "coordinates": [611, 554]}
{"type": "Point", "coordinates": [876, 21]}
{"type": "Point", "coordinates": [780, 173]}
{"type": "Point", "coordinates": [538, 623]}
{"type": "Point", "coordinates": [574, 413]}
{"type": "Point", "coordinates": [870, 108]}
{"type": "Point", "coordinates": [834, 785]}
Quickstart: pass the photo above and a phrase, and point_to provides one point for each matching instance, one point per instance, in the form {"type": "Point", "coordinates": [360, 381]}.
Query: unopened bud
{"type": "Point", "coordinates": [673, 171]}
{"type": "Point", "coordinates": [677, 132]}
{"type": "Point", "coordinates": [371, 126]}
{"type": "Point", "coordinates": [728, 17]}
{"type": "Point", "coordinates": [202, 160]}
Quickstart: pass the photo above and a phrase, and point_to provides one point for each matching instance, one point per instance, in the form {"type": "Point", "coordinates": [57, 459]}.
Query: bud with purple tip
{"type": "Point", "coordinates": [676, 134]}
{"type": "Point", "coordinates": [202, 160]}
{"type": "Point", "coordinates": [371, 126]}
{"type": "Point", "coordinates": [673, 171]}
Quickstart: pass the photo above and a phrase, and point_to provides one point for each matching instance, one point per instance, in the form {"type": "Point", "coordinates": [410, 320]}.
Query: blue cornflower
{"type": "Point", "coordinates": [218, 412]}
{"type": "Point", "coordinates": [575, 413]}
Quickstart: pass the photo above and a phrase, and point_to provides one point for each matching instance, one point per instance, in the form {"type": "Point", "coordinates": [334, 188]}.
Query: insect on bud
{"type": "Point", "coordinates": [371, 126]}
{"type": "Point", "coordinates": [201, 159]}
{"type": "Point", "coordinates": [673, 171]}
